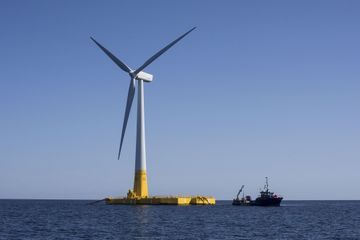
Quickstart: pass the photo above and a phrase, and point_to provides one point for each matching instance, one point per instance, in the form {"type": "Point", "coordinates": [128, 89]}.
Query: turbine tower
{"type": "Point", "coordinates": [140, 180]}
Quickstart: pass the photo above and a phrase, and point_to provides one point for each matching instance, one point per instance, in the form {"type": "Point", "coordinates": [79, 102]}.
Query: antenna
{"type": "Point", "coordinates": [266, 184]}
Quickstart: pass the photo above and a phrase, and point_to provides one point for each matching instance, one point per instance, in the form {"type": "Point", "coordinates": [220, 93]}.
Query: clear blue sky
{"type": "Point", "coordinates": [260, 88]}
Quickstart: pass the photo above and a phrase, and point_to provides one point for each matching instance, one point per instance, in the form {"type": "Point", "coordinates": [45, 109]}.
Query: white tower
{"type": "Point", "coordinates": [140, 181]}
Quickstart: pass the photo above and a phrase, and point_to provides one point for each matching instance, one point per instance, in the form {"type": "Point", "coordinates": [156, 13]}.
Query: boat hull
{"type": "Point", "coordinates": [270, 202]}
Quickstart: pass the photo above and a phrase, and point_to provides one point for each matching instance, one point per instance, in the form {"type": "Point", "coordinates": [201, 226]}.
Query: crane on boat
{"type": "Point", "coordinates": [237, 196]}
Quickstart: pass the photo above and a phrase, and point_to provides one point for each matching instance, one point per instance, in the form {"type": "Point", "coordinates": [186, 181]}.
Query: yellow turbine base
{"type": "Point", "coordinates": [140, 184]}
{"type": "Point", "coordinates": [159, 200]}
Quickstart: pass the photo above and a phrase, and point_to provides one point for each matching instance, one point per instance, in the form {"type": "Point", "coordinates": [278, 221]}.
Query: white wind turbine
{"type": "Point", "coordinates": [140, 181]}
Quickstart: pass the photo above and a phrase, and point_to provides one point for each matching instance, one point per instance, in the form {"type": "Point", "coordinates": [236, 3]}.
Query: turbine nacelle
{"type": "Point", "coordinates": [146, 77]}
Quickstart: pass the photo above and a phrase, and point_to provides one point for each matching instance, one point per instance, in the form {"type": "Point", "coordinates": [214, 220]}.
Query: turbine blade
{"type": "Point", "coordinates": [129, 101]}
{"type": "Point", "coordinates": [122, 65]}
{"type": "Point", "coordinates": [159, 53]}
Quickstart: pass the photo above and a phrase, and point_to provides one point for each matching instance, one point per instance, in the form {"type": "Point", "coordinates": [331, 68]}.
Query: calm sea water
{"type": "Point", "coordinates": [65, 219]}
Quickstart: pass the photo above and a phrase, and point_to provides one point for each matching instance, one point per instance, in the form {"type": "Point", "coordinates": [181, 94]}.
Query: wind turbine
{"type": "Point", "coordinates": [140, 181]}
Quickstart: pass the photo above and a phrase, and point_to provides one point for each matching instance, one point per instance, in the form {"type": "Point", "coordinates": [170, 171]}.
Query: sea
{"type": "Point", "coordinates": [77, 219]}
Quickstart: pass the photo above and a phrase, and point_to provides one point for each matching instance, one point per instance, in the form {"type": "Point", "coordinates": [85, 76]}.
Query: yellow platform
{"type": "Point", "coordinates": [160, 200]}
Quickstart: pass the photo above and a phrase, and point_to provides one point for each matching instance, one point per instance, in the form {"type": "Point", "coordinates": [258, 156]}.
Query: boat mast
{"type": "Point", "coordinates": [266, 188]}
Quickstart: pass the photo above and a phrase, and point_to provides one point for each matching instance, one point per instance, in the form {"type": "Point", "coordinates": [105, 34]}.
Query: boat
{"type": "Point", "coordinates": [266, 198]}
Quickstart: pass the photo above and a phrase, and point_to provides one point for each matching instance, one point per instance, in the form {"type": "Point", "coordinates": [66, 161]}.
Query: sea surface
{"type": "Point", "coordinates": [76, 219]}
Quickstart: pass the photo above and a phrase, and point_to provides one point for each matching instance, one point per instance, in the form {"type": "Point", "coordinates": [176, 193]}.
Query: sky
{"type": "Point", "coordinates": [259, 89]}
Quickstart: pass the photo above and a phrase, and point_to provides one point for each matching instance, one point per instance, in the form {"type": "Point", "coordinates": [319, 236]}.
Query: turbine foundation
{"type": "Point", "coordinates": [161, 200]}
